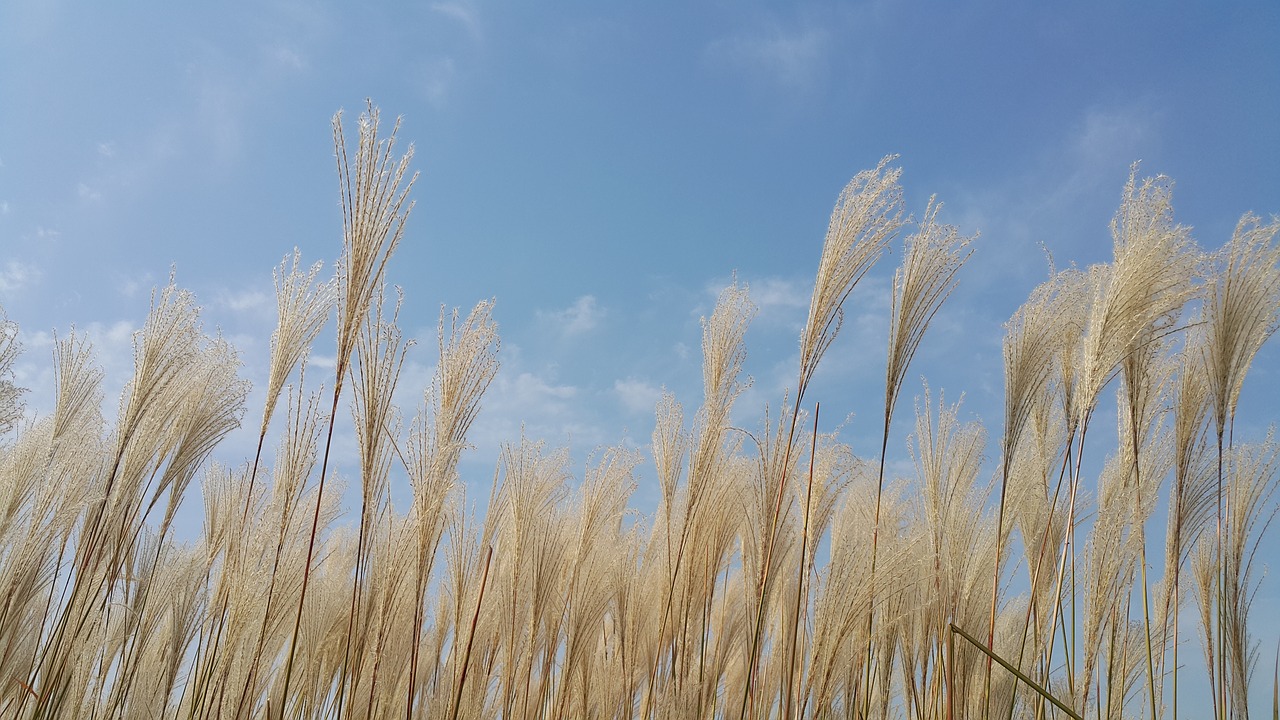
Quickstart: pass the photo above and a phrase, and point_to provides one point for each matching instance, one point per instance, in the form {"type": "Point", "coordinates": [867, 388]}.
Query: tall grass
{"type": "Point", "coordinates": [781, 576]}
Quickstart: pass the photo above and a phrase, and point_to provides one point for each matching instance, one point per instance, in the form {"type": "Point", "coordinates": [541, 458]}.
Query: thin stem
{"type": "Point", "coordinates": [875, 544]}
{"type": "Point", "coordinates": [802, 575]}
{"type": "Point", "coordinates": [471, 634]}
{"type": "Point", "coordinates": [311, 543]}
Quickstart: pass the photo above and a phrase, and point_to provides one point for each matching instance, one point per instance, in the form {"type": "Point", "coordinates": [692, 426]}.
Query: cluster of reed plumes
{"type": "Point", "coordinates": [780, 577]}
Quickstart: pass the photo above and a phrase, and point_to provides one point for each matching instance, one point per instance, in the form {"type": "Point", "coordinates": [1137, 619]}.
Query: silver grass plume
{"type": "Point", "coordinates": [935, 254]}
{"type": "Point", "coordinates": [380, 355]}
{"type": "Point", "coordinates": [866, 217]}
{"type": "Point", "coordinates": [10, 395]}
{"type": "Point", "coordinates": [467, 366]}
{"type": "Point", "coordinates": [1242, 303]}
{"type": "Point", "coordinates": [375, 207]}
{"type": "Point", "coordinates": [1223, 573]}
{"type": "Point", "coordinates": [302, 308]}
{"type": "Point", "coordinates": [1148, 280]}
{"type": "Point", "coordinates": [1253, 471]}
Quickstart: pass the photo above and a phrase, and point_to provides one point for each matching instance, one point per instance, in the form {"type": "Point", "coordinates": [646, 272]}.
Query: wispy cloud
{"type": "Point", "coordinates": [533, 403]}
{"type": "Point", "coordinates": [1109, 133]}
{"type": "Point", "coordinates": [129, 286]}
{"type": "Point", "coordinates": [287, 57]}
{"type": "Point", "coordinates": [220, 105]}
{"type": "Point", "coordinates": [583, 315]}
{"type": "Point", "coordinates": [637, 396]}
{"type": "Point", "coordinates": [792, 58]}
{"type": "Point", "coordinates": [777, 292]}
{"type": "Point", "coordinates": [242, 300]}
{"type": "Point", "coordinates": [464, 13]}
{"type": "Point", "coordinates": [437, 80]}
{"type": "Point", "coordinates": [88, 193]}
{"type": "Point", "coordinates": [16, 275]}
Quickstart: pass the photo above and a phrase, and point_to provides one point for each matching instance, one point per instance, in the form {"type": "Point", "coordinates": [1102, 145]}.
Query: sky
{"type": "Point", "coordinates": [604, 169]}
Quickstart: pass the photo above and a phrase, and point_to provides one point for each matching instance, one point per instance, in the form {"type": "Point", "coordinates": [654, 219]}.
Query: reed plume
{"type": "Point", "coordinates": [10, 395]}
{"type": "Point", "coordinates": [375, 207]}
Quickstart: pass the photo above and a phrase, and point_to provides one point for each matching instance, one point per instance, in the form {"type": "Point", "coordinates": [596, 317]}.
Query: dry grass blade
{"type": "Point", "coordinates": [1005, 664]}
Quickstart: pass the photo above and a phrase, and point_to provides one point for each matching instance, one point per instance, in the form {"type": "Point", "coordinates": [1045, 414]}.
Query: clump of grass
{"type": "Point", "coordinates": [782, 576]}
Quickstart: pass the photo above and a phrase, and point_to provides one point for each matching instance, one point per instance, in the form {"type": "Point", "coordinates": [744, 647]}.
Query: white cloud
{"type": "Point", "coordinates": [1103, 144]}
{"type": "Point", "coordinates": [636, 395]}
{"type": "Point", "coordinates": [533, 403]}
{"type": "Point", "coordinates": [532, 389]}
{"type": "Point", "coordinates": [242, 300]}
{"type": "Point", "coordinates": [779, 302]}
{"type": "Point", "coordinates": [776, 292]}
{"type": "Point", "coordinates": [288, 58]}
{"type": "Point", "coordinates": [130, 286]}
{"type": "Point", "coordinates": [1113, 133]}
{"type": "Point", "coordinates": [583, 315]}
{"type": "Point", "coordinates": [437, 79]}
{"type": "Point", "coordinates": [107, 149]}
{"type": "Point", "coordinates": [4, 207]}
{"type": "Point", "coordinates": [87, 193]}
{"type": "Point", "coordinates": [790, 58]}
{"type": "Point", "coordinates": [463, 13]}
{"type": "Point", "coordinates": [15, 276]}
{"type": "Point", "coordinates": [219, 118]}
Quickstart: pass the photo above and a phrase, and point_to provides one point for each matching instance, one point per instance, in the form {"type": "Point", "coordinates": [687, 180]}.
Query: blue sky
{"type": "Point", "coordinates": [603, 169]}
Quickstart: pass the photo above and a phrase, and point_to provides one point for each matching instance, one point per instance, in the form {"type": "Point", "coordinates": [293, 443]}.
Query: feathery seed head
{"type": "Point", "coordinates": [1242, 309]}
{"type": "Point", "coordinates": [1145, 286]}
{"type": "Point", "coordinates": [375, 206]}
{"type": "Point", "coordinates": [302, 307]}
{"type": "Point", "coordinates": [866, 217]}
{"type": "Point", "coordinates": [10, 394]}
{"type": "Point", "coordinates": [935, 254]}
{"type": "Point", "coordinates": [669, 441]}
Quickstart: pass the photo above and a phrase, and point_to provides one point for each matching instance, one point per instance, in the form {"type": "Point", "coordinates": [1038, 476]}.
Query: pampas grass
{"type": "Point", "coordinates": [781, 576]}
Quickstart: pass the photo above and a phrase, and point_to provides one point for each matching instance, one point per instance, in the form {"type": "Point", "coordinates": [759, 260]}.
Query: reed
{"type": "Point", "coordinates": [782, 575]}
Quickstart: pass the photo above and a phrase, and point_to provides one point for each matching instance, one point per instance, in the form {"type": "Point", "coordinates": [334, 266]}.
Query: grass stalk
{"type": "Point", "coordinates": [471, 634]}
